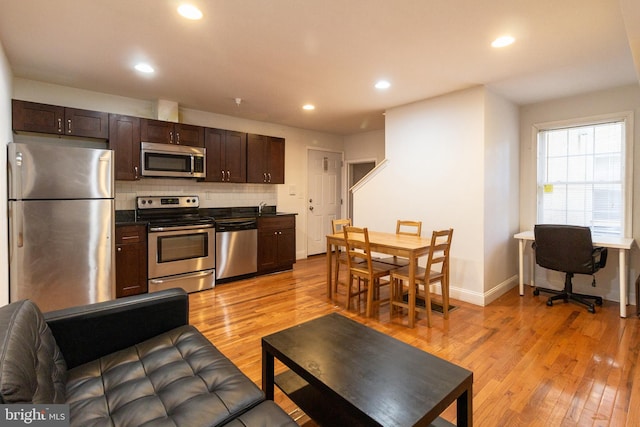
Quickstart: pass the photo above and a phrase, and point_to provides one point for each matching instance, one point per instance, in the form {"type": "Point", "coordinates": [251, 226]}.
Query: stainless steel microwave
{"type": "Point", "coordinates": [169, 160]}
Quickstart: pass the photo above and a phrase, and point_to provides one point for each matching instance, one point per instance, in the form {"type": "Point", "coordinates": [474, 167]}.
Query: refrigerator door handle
{"type": "Point", "coordinates": [19, 214]}
{"type": "Point", "coordinates": [16, 228]}
{"type": "Point", "coordinates": [14, 177]}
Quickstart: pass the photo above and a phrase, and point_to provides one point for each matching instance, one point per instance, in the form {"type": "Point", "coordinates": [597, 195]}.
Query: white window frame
{"type": "Point", "coordinates": [627, 118]}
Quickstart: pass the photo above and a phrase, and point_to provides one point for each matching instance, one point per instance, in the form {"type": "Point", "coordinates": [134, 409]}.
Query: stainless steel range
{"type": "Point", "coordinates": [181, 243]}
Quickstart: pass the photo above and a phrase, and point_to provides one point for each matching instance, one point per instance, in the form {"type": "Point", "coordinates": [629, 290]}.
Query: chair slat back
{"type": "Point", "coordinates": [409, 228]}
{"type": "Point", "coordinates": [438, 259]}
{"type": "Point", "coordinates": [358, 248]}
{"type": "Point", "coordinates": [338, 224]}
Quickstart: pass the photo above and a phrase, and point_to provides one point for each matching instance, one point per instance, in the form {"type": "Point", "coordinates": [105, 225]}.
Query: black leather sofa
{"type": "Point", "coordinates": [130, 362]}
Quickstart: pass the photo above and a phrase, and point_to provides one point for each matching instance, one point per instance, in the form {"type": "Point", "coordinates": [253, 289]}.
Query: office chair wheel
{"type": "Point", "coordinates": [550, 303]}
{"type": "Point", "coordinates": [591, 309]}
{"type": "Point", "coordinates": [599, 301]}
{"type": "Point", "coordinates": [536, 292]}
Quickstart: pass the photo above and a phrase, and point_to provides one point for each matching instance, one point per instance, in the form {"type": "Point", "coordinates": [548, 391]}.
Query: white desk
{"type": "Point", "coordinates": [622, 244]}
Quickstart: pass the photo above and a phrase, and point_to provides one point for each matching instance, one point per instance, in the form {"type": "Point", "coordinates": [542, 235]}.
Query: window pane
{"type": "Point", "coordinates": [607, 167]}
{"type": "Point", "coordinates": [576, 170]}
{"type": "Point", "coordinates": [557, 170]}
{"type": "Point", "coordinates": [581, 172]}
{"type": "Point", "coordinates": [608, 138]}
{"type": "Point", "coordinates": [557, 143]}
{"type": "Point", "coordinates": [580, 142]}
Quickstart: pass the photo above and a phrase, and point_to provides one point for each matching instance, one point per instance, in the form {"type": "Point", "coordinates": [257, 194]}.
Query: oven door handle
{"type": "Point", "coordinates": [182, 276]}
{"type": "Point", "coordinates": [186, 227]}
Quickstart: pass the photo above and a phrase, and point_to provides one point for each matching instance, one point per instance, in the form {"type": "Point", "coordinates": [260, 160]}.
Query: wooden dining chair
{"type": "Point", "coordinates": [407, 228]}
{"type": "Point", "coordinates": [362, 269]}
{"type": "Point", "coordinates": [436, 270]}
{"type": "Point", "coordinates": [340, 257]}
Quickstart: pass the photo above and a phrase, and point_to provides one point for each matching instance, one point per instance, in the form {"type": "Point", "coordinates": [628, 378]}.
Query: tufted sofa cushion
{"type": "Point", "coordinates": [32, 369]}
{"type": "Point", "coordinates": [176, 378]}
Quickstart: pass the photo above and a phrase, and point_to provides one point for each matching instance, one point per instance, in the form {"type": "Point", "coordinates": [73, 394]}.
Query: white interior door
{"type": "Point", "coordinates": [324, 202]}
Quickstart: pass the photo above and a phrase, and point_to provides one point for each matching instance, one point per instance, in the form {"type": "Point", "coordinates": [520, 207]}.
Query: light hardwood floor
{"type": "Point", "coordinates": [533, 365]}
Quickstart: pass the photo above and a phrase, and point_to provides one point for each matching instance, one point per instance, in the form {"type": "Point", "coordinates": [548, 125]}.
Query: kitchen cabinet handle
{"type": "Point", "coordinates": [222, 175]}
{"type": "Point", "coordinates": [265, 177]}
{"type": "Point", "coordinates": [69, 126]}
{"type": "Point", "coordinates": [170, 137]}
{"type": "Point", "coordinates": [228, 176]}
{"type": "Point", "coordinates": [177, 137]}
{"type": "Point", "coordinates": [269, 177]}
{"type": "Point", "coordinates": [119, 249]}
{"type": "Point", "coordinates": [135, 172]}
{"type": "Point", "coordinates": [59, 125]}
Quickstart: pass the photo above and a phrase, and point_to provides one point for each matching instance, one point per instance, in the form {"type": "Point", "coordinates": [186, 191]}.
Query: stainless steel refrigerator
{"type": "Point", "coordinates": [61, 224]}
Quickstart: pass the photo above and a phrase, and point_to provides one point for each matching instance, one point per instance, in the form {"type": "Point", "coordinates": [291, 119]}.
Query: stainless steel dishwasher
{"type": "Point", "coordinates": [236, 248]}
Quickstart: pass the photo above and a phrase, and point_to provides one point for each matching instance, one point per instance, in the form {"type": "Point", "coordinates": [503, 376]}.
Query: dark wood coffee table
{"type": "Point", "coordinates": [344, 373]}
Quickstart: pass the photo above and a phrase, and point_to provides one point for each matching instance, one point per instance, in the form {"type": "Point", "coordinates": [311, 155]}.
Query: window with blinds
{"type": "Point", "coordinates": [581, 176]}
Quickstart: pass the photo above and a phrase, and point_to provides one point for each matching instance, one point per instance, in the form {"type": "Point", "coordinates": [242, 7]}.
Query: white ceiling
{"type": "Point", "coordinates": [280, 54]}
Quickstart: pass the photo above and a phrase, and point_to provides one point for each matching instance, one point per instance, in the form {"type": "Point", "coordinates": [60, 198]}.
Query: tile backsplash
{"type": "Point", "coordinates": [212, 194]}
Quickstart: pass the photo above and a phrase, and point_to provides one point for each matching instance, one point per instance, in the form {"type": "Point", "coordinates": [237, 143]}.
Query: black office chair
{"type": "Point", "coordinates": [569, 249]}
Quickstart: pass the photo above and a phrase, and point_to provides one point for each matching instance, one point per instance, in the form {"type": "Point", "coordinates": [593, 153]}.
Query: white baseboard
{"type": "Point", "coordinates": [478, 298]}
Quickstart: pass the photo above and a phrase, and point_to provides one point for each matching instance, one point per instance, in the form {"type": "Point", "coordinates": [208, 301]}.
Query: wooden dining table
{"type": "Point", "coordinates": [410, 247]}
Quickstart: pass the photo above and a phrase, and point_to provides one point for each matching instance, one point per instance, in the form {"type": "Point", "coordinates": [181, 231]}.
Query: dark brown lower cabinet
{"type": "Point", "coordinates": [131, 260]}
{"type": "Point", "coordinates": [276, 243]}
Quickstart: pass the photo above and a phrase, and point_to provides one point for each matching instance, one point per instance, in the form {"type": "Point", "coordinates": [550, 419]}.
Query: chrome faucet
{"type": "Point", "coordinates": [261, 206]}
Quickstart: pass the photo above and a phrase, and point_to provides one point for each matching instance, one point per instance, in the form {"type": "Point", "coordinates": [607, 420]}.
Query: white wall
{"type": "Point", "coordinates": [5, 137]}
{"type": "Point", "coordinates": [297, 141]}
{"type": "Point", "coordinates": [615, 100]}
{"type": "Point", "coordinates": [365, 146]}
{"type": "Point", "coordinates": [501, 194]}
{"type": "Point", "coordinates": [438, 170]}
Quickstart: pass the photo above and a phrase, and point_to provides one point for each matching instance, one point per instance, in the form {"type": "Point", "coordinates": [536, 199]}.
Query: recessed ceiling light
{"type": "Point", "coordinates": [503, 41]}
{"type": "Point", "coordinates": [144, 68]}
{"type": "Point", "coordinates": [189, 11]}
{"type": "Point", "coordinates": [383, 84]}
{"type": "Point", "coordinates": [308, 107]}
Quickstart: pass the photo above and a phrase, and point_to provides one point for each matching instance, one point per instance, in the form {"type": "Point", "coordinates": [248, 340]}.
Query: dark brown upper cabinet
{"type": "Point", "coordinates": [226, 155]}
{"type": "Point", "coordinates": [162, 132]}
{"type": "Point", "coordinates": [53, 119]}
{"type": "Point", "coordinates": [265, 159]}
{"type": "Point", "coordinates": [124, 140]}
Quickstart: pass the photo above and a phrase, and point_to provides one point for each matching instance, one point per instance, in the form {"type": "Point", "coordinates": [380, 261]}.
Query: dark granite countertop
{"type": "Point", "coordinates": [128, 217]}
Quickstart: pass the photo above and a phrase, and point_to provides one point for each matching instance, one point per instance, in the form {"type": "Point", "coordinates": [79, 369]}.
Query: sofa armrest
{"type": "Point", "coordinates": [91, 331]}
